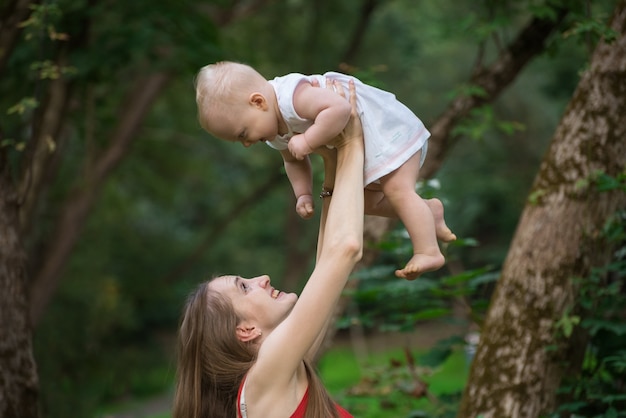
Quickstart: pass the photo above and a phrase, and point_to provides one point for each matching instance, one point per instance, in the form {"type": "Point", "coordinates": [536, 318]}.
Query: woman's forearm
{"type": "Point", "coordinates": [329, 156]}
{"type": "Point", "coordinates": [341, 243]}
{"type": "Point", "coordinates": [342, 215]}
{"type": "Point", "coordinates": [348, 167]}
{"type": "Point", "coordinates": [344, 222]}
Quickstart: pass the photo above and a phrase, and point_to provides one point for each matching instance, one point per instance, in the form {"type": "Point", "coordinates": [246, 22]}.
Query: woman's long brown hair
{"type": "Point", "coordinates": [212, 362]}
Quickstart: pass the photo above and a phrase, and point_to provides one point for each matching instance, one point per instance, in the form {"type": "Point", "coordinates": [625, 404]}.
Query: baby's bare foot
{"type": "Point", "coordinates": [443, 232]}
{"type": "Point", "coordinates": [419, 264]}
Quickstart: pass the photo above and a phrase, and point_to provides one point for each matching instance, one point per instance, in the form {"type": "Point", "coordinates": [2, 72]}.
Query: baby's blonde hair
{"type": "Point", "coordinates": [222, 85]}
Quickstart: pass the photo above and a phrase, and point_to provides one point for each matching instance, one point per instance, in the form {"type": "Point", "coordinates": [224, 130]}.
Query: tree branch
{"type": "Point", "coordinates": [529, 43]}
{"type": "Point", "coordinates": [41, 148]}
{"type": "Point", "coordinates": [358, 34]}
{"type": "Point", "coordinates": [77, 207]}
{"type": "Point", "coordinates": [220, 225]}
{"type": "Point", "coordinates": [13, 14]}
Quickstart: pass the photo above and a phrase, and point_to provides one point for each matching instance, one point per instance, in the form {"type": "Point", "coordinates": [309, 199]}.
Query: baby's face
{"type": "Point", "coordinates": [247, 124]}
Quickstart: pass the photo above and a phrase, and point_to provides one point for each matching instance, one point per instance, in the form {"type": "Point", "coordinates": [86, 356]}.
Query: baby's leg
{"type": "Point", "coordinates": [443, 232]}
{"type": "Point", "coordinates": [377, 204]}
{"type": "Point", "coordinates": [417, 217]}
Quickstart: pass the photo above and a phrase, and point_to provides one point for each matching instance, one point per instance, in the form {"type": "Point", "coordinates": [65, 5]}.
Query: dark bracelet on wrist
{"type": "Point", "coordinates": [325, 193]}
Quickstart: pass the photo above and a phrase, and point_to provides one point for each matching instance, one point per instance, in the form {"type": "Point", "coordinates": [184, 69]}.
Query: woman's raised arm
{"type": "Point", "coordinates": [341, 245]}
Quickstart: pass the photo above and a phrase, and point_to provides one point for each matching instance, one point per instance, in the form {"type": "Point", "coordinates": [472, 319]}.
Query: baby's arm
{"type": "Point", "coordinates": [301, 179]}
{"type": "Point", "coordinates": [329, 111]}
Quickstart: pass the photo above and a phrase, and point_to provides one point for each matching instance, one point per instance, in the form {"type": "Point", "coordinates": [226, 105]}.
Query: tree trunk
{"type": "Point", "coordinates": [18, 374]}
{"type": "Point", "coordinates": [559, 237]}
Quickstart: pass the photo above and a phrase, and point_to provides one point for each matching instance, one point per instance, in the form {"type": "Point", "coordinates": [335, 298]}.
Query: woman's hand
{"type": "Point", "coordinates": [353, 129]}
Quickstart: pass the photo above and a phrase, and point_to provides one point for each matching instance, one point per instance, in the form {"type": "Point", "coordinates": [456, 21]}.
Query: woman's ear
{"type": "Point", "coordinates": [247, 333]}
{"type": "Point", "coordinates": [258, 100]}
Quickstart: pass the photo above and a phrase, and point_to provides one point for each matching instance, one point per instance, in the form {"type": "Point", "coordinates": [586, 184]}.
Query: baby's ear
{"type": "Point", "coordinates": [258, 100]}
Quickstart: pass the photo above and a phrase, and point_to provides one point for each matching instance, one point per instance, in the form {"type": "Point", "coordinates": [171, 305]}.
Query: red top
{"type": "Point", "coordinates": [298, 413]}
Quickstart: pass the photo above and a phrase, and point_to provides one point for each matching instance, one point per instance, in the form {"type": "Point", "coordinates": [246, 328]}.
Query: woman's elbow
{"type": "Point", "coordinates": [353, 248]}
{"type": "Point", "coordinates": [346, 247]}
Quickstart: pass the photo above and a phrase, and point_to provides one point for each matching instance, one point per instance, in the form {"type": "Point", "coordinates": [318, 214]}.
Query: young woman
{"type": "Point", "coordinates": [244, 346]}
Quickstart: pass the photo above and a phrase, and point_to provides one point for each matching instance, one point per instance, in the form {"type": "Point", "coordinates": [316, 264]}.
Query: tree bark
{"type": "Point", "coordinates": [19, 384]}
{"type": "Point", "coordinates": [559, 237]}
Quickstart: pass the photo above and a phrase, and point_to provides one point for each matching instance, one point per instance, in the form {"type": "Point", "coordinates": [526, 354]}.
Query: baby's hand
{"type": "Point", "coordinates": [304, 206]}
{"type": "Point", "coordinates": [298, 147]}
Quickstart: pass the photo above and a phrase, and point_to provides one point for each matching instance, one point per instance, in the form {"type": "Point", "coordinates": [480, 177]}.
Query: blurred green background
{"type": "Point", "coordinates": [182, 206]}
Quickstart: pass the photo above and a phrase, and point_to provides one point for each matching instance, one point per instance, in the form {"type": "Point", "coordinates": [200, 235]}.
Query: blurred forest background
{"type": "Point", "coordinates": [131, 204]}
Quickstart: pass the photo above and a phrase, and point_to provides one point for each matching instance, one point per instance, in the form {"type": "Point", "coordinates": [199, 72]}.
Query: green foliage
{"type": "Point", "coordinates": [598, 390]}
{"type": "Point", "coordinates": [390, 383]}
{"type": "Point", "coordinates": [467, 90]}
{"type": "Point", "coordinates": [23, 106]}
{"type": "Point", "coordinates": [49, 70]}
{"type": "Point", "coordinates": [592, 29]}
{"type": "Point", "coordinates": [543, 10]}
{"type": "Point", "coordinates": [481, 121]}
{"type": "Point", "coordinates": [42, 19]}
{"type": "Point", "coordinates": [567, 323]}
{"type": "Point", "coordinates": [603, 182]}
{"type": "Point", "coordinates": [384, 302]}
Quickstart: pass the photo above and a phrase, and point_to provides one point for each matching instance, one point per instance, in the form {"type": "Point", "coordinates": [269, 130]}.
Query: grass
{"type": "Point", "coordinates": [381, 385]}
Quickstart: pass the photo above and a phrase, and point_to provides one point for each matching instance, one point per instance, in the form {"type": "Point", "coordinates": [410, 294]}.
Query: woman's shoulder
{"type": "Point", "coordinates": [266, 390]}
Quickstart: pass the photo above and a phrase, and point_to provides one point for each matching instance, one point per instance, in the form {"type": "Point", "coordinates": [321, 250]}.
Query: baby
{"type": "Point", "coordinates": [295, 116]}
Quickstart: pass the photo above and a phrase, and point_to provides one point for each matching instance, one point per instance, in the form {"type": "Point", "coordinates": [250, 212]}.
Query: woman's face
{"type": "Point", "coordinates": [255, 300]}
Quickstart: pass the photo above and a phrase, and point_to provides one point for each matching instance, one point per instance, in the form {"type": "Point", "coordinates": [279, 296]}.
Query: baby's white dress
{"type": "Point", "coordinates": [392, 132]}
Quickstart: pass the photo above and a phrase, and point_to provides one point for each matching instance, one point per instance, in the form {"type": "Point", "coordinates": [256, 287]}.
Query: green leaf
{"type": "Point", "coordinates": [435, 357]}
{"type": "Point", "coordinates": [567, 324]}
{"type": "Point", "coordinates": [595, 325]}
{"type": "Point", "coordinates": [543, 11]}
{"type": "Point", "coordinates": [429, 314]}
{"type": "Point", "coordinates": [464, 242]}
{"type": "Point", "coordinates": [536, 196]}
{"type": "Point", "coordinates": [485, 278]}
{"type": "Point", "coordinates": [23, 106]}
